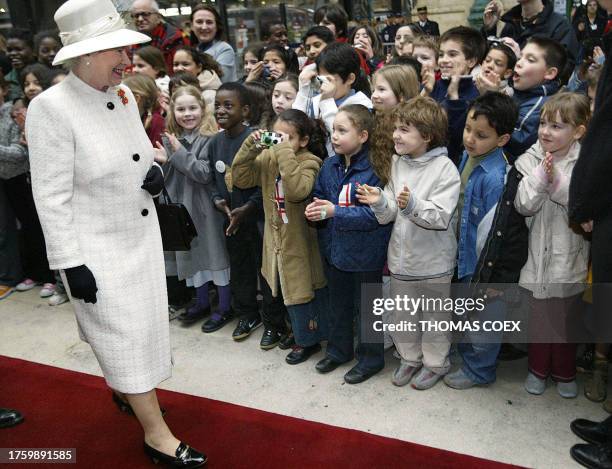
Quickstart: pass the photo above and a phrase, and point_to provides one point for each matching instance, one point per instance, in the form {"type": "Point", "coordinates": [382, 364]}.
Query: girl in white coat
{"type": "Point", "coordinates": [556, 267]}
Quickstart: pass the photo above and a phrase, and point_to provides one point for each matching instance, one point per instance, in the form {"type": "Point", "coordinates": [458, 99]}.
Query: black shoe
{"type": "Point", "coordinates": [287, 341]}
{"type": "Point", "coordinates": [217, 321]}
{"type": "Point", "coordinates": [584, 363]}
{"type": "Point", "coordinates": [593, 456]}
{"type": "Point", "coordinates": [326, 365]}
{"type": "Point", "coordinates": [245, 327]}
{"type": "Point", "coordinates": [185, 457]}
{"type": "Point", "coordinates": [301, 354]}
{"type": "Point", "coordinates": [509, 352]}
{"type": "Point", "coordinates": [193, 314]}
{"type": "Point", "coordinates": [592, 432]}
{"type": "Point", "coordinates": [9, 418]}
{"type": "Point", "coordinates": [270, 339]}
{"type": "Point", "coordinates": [356, 376]}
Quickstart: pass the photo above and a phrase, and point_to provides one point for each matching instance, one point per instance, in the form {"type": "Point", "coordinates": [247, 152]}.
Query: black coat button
{"type": "Point", "coordinates": [135, 156]}
{"type": "Point", "coordinates": [111, 106]}
{"type": "Point", "coordinates": [144, 212]}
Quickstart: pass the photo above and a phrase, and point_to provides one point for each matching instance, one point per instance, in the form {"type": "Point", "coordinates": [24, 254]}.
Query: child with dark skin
{"type": "Point", "coordinates": [230, 116]}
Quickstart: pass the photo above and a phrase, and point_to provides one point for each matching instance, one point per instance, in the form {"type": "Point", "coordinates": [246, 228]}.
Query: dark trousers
{"type": "Point", "coordinates": [345, 304]}
{"type": "Point", "coordinates": [34, 253]}
{"type": "Point", "coordinates": [551, 317]}
{"type": "Point", "coordinates": [274, 310]}
{"type": "Point", "coordinates": [10, 261]}
{"type": "Point", "coordinates": [244, 248]}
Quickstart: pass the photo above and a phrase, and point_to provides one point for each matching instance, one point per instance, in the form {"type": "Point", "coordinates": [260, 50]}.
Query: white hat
{"type": "Point", "coordinates": [88, 26]}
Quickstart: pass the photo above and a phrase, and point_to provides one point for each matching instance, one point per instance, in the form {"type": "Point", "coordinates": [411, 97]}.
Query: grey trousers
{"type": "Point", "coordinates": [422, 347]}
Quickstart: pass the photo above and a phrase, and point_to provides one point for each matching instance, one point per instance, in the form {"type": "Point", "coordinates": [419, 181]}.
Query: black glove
{"type": "Point", "coordinates": [82, 283]}
{"type": "Point", "coordinates": [154, 181]}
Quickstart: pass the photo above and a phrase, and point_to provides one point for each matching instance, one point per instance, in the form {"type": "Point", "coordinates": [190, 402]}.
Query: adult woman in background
{"type": "Point", "coordinates": [207, 33]}
{"type": "Point", "coordinates": [94, 192]}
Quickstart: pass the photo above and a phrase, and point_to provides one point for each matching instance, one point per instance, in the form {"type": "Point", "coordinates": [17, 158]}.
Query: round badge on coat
{"type": "Point", "coordinates": [220, 166]}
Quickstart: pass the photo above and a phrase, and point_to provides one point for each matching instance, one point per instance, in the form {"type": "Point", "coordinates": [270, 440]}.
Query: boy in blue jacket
{"type": "Point", "coordinates": [483, 169]}
{"type": "Point", "coordinates": [534, 81]}
{"type": "Point", "coordinates": [353, 244]}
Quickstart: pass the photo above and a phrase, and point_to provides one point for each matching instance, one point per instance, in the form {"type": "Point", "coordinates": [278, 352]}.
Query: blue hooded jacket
{"type": "Point", "coordinates": [352, 240]}
{"type": "Point", "coordinates": [530, 104]}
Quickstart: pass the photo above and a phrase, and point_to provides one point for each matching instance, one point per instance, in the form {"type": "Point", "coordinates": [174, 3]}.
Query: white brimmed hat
{"type": "Point", "coordinates": [88, 26]}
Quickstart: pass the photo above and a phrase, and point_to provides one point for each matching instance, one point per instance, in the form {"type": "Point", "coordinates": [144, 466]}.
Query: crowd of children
{"type": "Point", "coordinates": [448, 161]}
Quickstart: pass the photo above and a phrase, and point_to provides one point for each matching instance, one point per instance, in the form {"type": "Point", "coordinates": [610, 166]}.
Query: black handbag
{"type": "Point", "coordinates": [176, 225]}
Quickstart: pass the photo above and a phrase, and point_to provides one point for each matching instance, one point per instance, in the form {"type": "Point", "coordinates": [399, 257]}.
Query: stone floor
{"type": "Point", "coordinates": [501, 422]}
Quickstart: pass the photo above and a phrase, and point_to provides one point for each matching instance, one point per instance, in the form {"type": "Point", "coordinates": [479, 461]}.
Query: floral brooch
{"type": "Point", "coordinates": [123, 97]}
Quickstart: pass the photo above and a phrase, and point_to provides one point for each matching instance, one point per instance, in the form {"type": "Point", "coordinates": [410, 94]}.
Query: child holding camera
{"type": "Point", "coordinates": [285, 163]}
{"type": "Point", "coordinates": [341, 82]}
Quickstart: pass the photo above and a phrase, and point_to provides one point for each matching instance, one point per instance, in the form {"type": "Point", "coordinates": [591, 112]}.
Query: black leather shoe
{"type": "Point", "coordinates": [287, 341]}
{"type": "Point", "coordinates": [326, 365]}
{"type": "Point", "coordinates": [301, 354]}
{"type": "Point", "coordinates": [593, 456]}
{"type": "Point", "coordinates": [356, 376]}
{"type": "Point", "coordinates": [270, 339]}
{"type": "Point", "coordinates": [193, 314]}
{"type": "Point", "coordinates": [125, 406]}
{"type": "Point", "coordinates": [217, 321]}
{"type": "Point", "coordinates": [592, 432]}
{"type": "Point", "coordinates": [185, 457]}
{"type": "Point", "coordinates": [9, 418]}
{"type": "Point", "coordinates": [245, 327]}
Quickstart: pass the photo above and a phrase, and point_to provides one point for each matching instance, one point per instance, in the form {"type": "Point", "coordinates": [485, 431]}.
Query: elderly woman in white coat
{"type": "Point", "coordinates": [94, 181]}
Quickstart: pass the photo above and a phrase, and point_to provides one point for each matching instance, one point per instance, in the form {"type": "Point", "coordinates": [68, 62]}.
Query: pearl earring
{"type": "Point", "coordinates": [88, 63]}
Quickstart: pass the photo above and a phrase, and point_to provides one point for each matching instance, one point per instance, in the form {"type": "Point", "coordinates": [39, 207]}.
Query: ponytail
{"type": "Point", "coordinates": [307, 127]}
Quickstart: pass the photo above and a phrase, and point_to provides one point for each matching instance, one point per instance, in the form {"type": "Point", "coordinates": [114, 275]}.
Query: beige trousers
{"type": "Point", "coordinates": [422, 346]}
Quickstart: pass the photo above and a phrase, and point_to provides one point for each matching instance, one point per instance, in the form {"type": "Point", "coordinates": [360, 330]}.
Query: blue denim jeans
{"type": "Point", "coordinates": [480, 349]}
{"type": "Point", "coordinates": [345, 305]}
{"type": "Point", "coordinates": [310, 321]}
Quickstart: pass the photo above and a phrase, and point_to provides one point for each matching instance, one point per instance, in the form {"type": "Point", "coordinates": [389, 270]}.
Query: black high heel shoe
{"type": "Point", "coordinates": [185, 457]}
{"type": "Point", "coordinates": [125, 406]}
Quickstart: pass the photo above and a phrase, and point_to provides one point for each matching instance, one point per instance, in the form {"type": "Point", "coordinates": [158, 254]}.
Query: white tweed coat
{"type": "Point", "coordinates": [89, 154]}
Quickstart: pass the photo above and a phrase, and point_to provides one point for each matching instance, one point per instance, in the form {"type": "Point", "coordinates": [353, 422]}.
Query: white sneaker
{"type": "Point", "coordinates": [58, 299]}
{"type": "Point", "coordinates": [26, 285]}
{"type": "Point", "coordinates": [47, 290]}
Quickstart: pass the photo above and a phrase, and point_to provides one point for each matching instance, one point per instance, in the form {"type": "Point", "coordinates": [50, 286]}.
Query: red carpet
{"type": "Point", "coordinates": [65, 409]}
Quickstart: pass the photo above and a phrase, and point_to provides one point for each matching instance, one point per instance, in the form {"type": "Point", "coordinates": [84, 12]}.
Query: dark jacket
{"type": "Point", "coordinates": [548, 24]}
{"type": "Point", "coordinates": [431, 28]}
{"type": "Point", "coordinates": [590, 195]}
{"type": "Point", "coordinates": [457, 113]}
{"type": "Point", "coordinates": [352, 240]}
{"type": "Point", "coordinates": [530, 104]}
{"type": "Point", "coordinates": [505, 250]}
{"type": "Point", "coordinates": [222, 150]}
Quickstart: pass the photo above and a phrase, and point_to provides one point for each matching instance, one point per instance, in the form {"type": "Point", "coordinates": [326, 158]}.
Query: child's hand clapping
{"type": "Point", "coordinates": [175, 145]}
{"type": "Point", "coordinates": [159, 153]}
{"type": "Point", "coordinates": [367, 194]}
{"type": "Point", "coordinates": [428, 80]}
{"type": "Point", "coordinates": [549, 167]}
{"type": "Point", "coordinates": [488, 81]}
{"type": "Point", "coordinates": [403, 197]}
{"type": "Point", "coordinates": [319, 210]}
